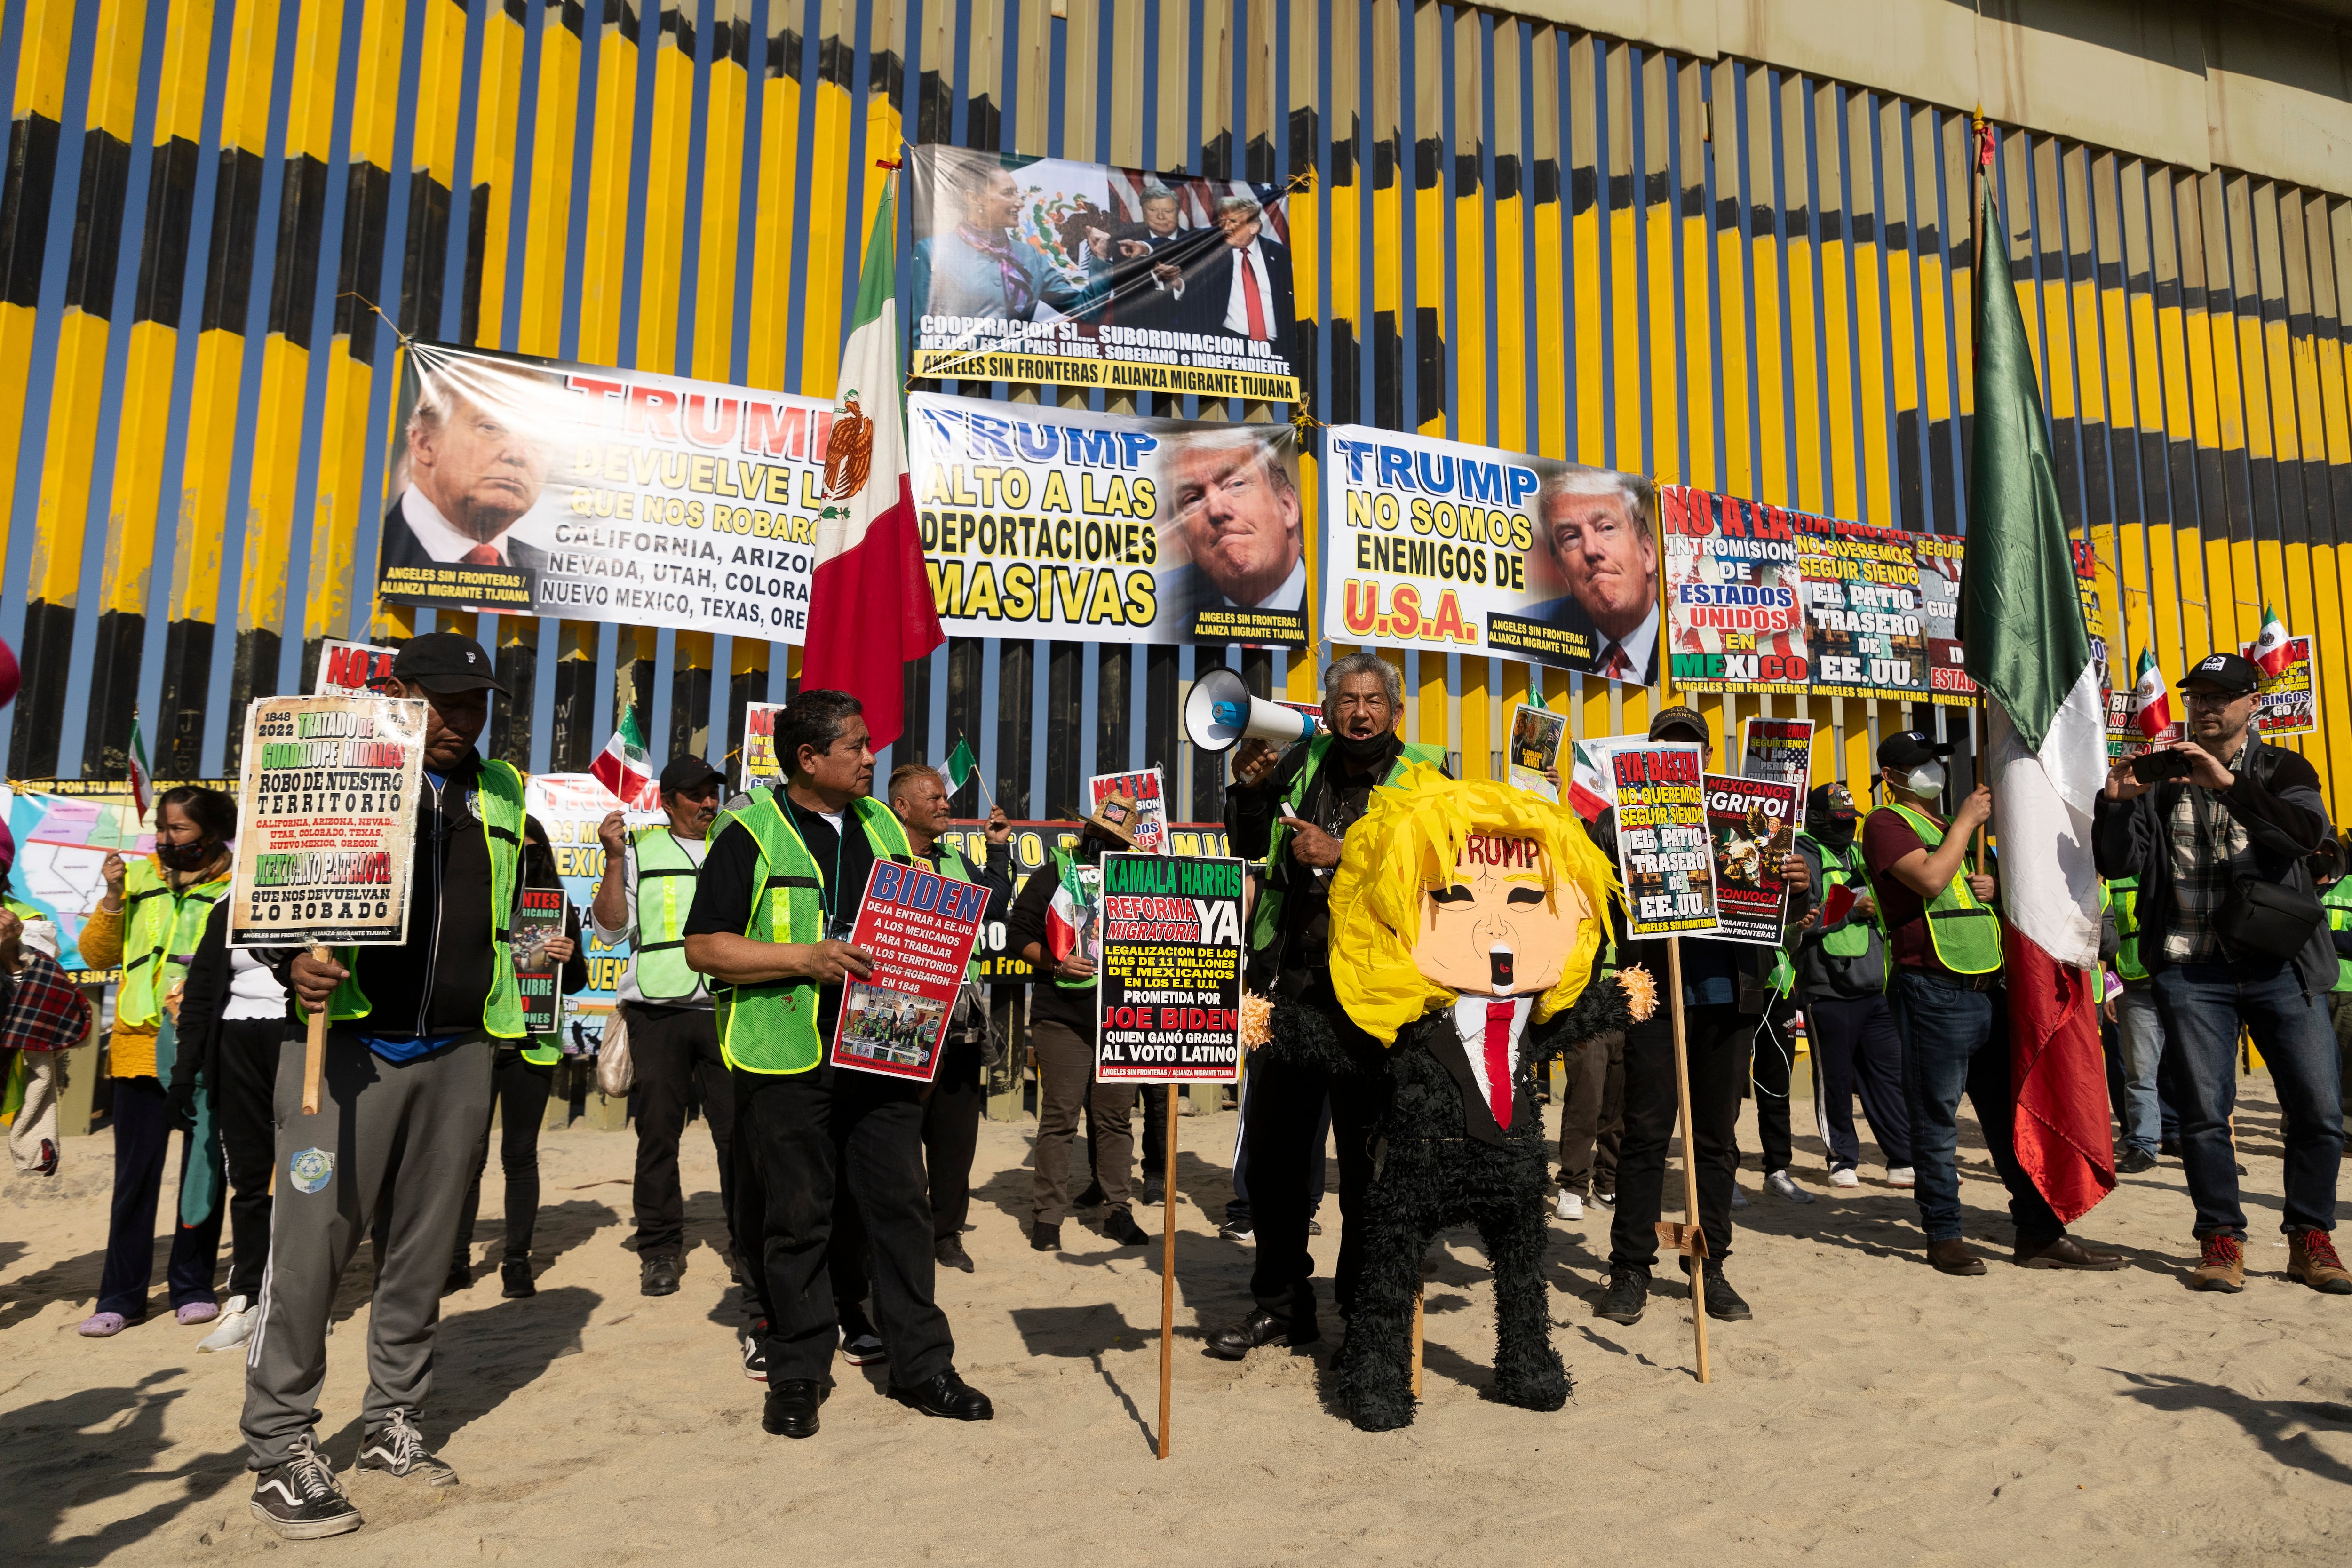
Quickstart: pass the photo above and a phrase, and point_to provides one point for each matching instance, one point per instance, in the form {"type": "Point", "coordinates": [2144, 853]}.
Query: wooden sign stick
{"type": "Point", "coordinates": [314, 1050]}
{"type": "Point", "coordinates": [1697, 1252]}
{"type": "Point", "coordinates": [1168, 1274]}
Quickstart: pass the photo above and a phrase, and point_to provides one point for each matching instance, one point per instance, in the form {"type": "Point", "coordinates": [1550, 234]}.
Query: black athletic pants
{"type": "Point", "coordinates": [245, 1060]}
{"type": "Point", "coordinates": [521, 1088]}
{"type": "Point", "coordinates": [1283, 1140]}
{"type": "Point", "coordinates": [1718, 1040]}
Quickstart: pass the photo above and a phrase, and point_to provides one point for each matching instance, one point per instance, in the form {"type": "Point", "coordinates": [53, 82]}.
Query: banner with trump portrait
{"type": "Point", "coordinates": [538, 488]}
{"type": "Point", "coordinates": [1068, 274]}
{"type": "Point", "coordinates": [1449, 548]}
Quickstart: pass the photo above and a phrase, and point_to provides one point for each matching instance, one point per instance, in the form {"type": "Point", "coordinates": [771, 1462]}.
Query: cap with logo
{"type": "Point", "coordinates": [2234, 673]}
{"type": "Point", "coordinates": [1831, 800]}
{"type": "Point", "coordinates": [1689, 720]}
{"type": "Point", "coordinates": [1911, 749]}
{"type": "Point", "coordinates": [446, 663]}
{"type": "Point", "coordinates": [688, 772]}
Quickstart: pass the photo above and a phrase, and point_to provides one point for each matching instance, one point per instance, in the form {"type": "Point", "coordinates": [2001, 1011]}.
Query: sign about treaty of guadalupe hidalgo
{"type": "Point", "coordinates": [540, 488]}
{"type": "Point", "coordinates": [326, 820]}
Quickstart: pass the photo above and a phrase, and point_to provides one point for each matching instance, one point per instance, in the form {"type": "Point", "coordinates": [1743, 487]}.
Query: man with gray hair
{"type": "Point", "coordinates": [1596, 527]}
{"type": "Point", "coordinates": [1291, 814]}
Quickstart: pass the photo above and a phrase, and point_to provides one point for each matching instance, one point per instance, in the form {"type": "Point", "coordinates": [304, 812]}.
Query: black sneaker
{"type": "Point", "coordinates": [657, 1275]}
{"type": "Point", "coordinates": [1722, 1302]}
{"type": "Point", "coordinates": [755, 1353]}
{"type": "Point", "coordinates": [1120, 1226]}
{"type": "Point", "coordinates": [396, 1447]}
{"type": "Point", "coordinates": [1151, 1192]}
{"type": "Point", "coordinates": [1627, 1295]}
{"type": "Point", "coordinates": [514, 1279]}
{"type": "Point", "coordinates": [460, 1277]}
{"type": "Point", "coordinates": [301, 1500]}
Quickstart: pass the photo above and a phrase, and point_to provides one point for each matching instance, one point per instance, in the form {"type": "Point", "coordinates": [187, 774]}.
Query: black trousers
{"type": "Point", "coordinates": [142, 1147]}
{"type": "Point", "coordinates": [1856, 1048]}
{"type": "Point", "coordinates": [951, 1117]}
{"type": "Point", "coordinates": [1775, 1063]}
{"type": "Point", "coordinates": [521, 1088]}
{"type": "Point", "coordinates": [1717, 1038]}
{"type": "Point", "coordinates": [799, 1138]}
{"type": "Point", "coordinates": [244, 1108]}
{"type": "Point", "coordinates": [675, 1051]}
{"type": "Point", "coordinates": [1592, 1116]}
{"type": "Point", "coordinates": [1283, 1141]}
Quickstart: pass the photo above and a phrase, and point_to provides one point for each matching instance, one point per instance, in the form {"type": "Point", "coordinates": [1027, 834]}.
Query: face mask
{"type": "Point", "coordinates": [1090, 850]}
{"type": "Point", "coordinates": [183, 857]}
{"type": "Point", "coordinates": [1926, 779]}
{"type": "Point", "coordinates": [1836, 832]}
{"type": "Point", "coordinates": [1363, 750]}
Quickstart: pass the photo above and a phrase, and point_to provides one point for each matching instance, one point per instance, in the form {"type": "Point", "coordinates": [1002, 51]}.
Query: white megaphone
{"type": "Point", "coordinates": [1220, 712]}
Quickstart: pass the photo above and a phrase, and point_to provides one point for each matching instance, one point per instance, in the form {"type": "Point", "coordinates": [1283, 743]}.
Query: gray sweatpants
{"type": "Point", "coordinates": [389, 1138]}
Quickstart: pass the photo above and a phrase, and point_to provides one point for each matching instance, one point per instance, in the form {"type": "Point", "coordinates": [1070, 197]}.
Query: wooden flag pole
{"type": "Point", "coordinates": [1693, 1239]}
{"type": "Point", "coordinates": [314, 1050]}
{"type": "Point", "coordinates": [1168, 1272]}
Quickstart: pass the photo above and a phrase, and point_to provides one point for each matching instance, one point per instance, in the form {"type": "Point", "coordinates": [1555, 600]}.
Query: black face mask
{"type": "Point", "coordinates": [184, 856]}
{"type": "Point", "coordinates": [1368, 749]}
{"type": "Point", "coordinates": [1835, 832]}
{"type": "Point", "coordinates": [1089, 851]}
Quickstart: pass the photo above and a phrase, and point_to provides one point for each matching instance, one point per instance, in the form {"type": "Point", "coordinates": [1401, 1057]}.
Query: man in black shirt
{"type": "Point", "coordinates": [777, 901]}
{"type": "Point", "coordinates": [1294, 812]}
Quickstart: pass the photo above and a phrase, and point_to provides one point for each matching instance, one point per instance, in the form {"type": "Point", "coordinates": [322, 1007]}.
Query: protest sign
{"type": "Point", "coordinates": [1143, 787]}
{"type": "Point", "coordinates": [1168, 1000]}
{"type": "Point", "coordinates": [539, 920]}
{"type": "Point", "coordinates": [62, 843]}
{"type": "Point", "coordinates": [1751, 828]}
{"type": "Point", "coordinates": [534, 487]}
{"type": "Point", "coordinates": [1778, 749]}
{"type": "Point", "coordinates": [1068, 274]}
{"type": "Point", "coordinates": [351, 668]}
{"type": "Point", "coordinates": [2289, 703]}
{"type": "Point", "coordinates": [1663, 858]}
{"type": "Point", "coordinates": [1444, 547]}
{"type": "Point", "coordinates": [1031, 851]}
{"type": "Point", "coordinates": [1065, 525]}
{"type": "Point", "coordinates": [761, 764]}
{"type": "Point", "coordinates": [570, 808]}
{"type": "Point", "coordinates": [1735, 589]}
{"type": "Point", "coordinates": [326, 814]}
{"type": "Point", "coordinates": [919, 927]}
{"type": "Point", "coordinates": [1536, 736]}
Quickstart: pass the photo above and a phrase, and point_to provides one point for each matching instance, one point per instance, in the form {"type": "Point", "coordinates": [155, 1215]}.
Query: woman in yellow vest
{"type": "Point", "coordinates": [149, 923]}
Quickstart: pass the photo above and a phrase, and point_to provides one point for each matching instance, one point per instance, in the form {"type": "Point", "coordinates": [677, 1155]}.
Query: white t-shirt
{"type": "Point", "coordinates": [253, 991]}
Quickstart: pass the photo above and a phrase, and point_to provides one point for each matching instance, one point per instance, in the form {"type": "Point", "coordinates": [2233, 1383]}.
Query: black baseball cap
{"type": "Point", "coordinates": [688, 772]}
{"type": "Point", "coordinates": [2234, 673]}
{"type": "Point", "coordinates": [1910, 748]}
{"type": "Point", "coordinates": [1680, 717]}
{"type": "Point", "coordinates": [446, 663]}
{"type": "Point", "coordinates": [1831, 800]}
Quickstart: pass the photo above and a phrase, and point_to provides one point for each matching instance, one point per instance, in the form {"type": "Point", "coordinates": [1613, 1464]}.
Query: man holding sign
{"type": "Point", "coordinates": [403, 1102]}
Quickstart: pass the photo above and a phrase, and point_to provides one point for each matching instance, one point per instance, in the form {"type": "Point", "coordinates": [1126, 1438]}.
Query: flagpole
{"type": "Point", "coordinates": [1980, 171]}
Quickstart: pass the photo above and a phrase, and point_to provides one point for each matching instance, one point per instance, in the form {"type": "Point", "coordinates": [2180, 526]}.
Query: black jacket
{"type": "Point", "coordinates": [2276, 800]}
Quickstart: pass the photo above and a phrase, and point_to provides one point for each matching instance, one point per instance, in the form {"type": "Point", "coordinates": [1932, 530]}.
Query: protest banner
{"type": "Point", "coordinates": [759, 763]}
{"type": "Point", "coordinates": [2289, 702]}
{"type": "Point", "coordinates": [1735, 590]}
{"type": "Point", "coordinates": [1778, 749]}
{"type": "Point", "coordinates": [535, 487]}
{"type": "Point", "coordinates": [919, 927]}
{"type": "Point", "coordinates": [1444, 547]}
{"type": "Point", "coordinates": [1536, 737]}
{"type": "Point", "coordinates": [1069, 274]}
{"type": "Point", "coordinates": [62, 842]}
{"type": "Point", "coordinates": [539, 920]}
{"type": "Point", "coordinates": [351, 668]}
{"type": "Point", "coordinates": [1144, 788]}
{"type": "Point", "coordinates": [570, 808]}
{"type": "Point", "coordinates": [1751, 828]}
{"type": "Point", "coordinates": [1663, 860]}
{"type": "Point", "coordinates": [326, 820]}
{"type": "Point", "coordinates": [1070, 526]}
{"type": "Point", "coordinates": [1031, 850]}
{"type": "Point", "coordinates": [1168, 1009]}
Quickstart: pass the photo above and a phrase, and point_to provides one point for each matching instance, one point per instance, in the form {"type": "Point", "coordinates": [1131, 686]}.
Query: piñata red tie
{"type": "Point", "coordinates": [1499, 1061]}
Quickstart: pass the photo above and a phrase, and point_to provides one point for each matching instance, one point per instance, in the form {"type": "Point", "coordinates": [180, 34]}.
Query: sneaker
{"type": "Point", "coordinates": [1627, 1293]}
{"type": "Point", "coordinates": [1784, 1186]}
{"type": "Point", "coordinates": [863, 1348]}
{"type": "Point", "coordinates": [2220, 1265]}
{"type": "Point", "coordinates": [396, 1447]}
{"type": "Point", "coordinates": [1739, 1197]}
{"type": "Point", "coordinates": [1722, 1302]}
{"type": "Point", "coordinates": [301, 1500]}
{"type": "Point", "coordinates": [1152, 1192]}
{"type": "Point", "coordinates": [755, 1351]}
{"type": "Point", "coordinates": [46, 1165]}
{"type": "Point", "coordinates": [1314, 1227]}
{"type": "Point", "coordinates": [1606, 1200]}
{"type": "Point", "coordinates": [1898, 1176]}
{"type": "Point", "coordinates": [461, 1278]}
{"type": "Point", "coordinates": [1847, 1176]}
{"type": "Point", "coordinates": [514, 1279]}
{"type": "Point", "coordinates": [236, 1326]}
{"type": "Point", "coordinates": [1235, 1230]}
{"type": "Point", "coordinates": [1120, 1226]}
{"type": "Point", "coordinates": [2311, 1260]}
{"type": "Point", "coordinates": [1570, 1205]}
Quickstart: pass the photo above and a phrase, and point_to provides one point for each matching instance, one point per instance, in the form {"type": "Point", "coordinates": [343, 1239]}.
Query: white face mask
{"type": "Point", "coordinates": [1926, 779]}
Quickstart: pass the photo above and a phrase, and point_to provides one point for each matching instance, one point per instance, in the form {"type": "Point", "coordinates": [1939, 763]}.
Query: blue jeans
{"type": "Point", "coordinates": [2139, 1047]}
{"type": "Point", "coordinates": [2203, 1007]}
{"type": "Point", "coordinates": [1956, 1042]}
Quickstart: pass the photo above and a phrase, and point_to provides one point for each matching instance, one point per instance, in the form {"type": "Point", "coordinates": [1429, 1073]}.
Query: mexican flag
{"type": "Point", "coordinates": [2045, 756]}
{"type": "Point", "coordinates": [626, 768]}
{"type": "Point", "coordinates": [142, 783]}
{"type": "Point", "coordinates": [2268, 651]}
{"type": "Point", "coordinates": [2151, 700]}
{"type": "Point", "coordinates": [1071, 912]}
{"type": "Point", "coordinates": [869, 597]}
{"type": "Point", "coordinates": [1589, 789]}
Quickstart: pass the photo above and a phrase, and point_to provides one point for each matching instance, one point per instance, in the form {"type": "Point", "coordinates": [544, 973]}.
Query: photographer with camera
{"type": "Point", "coordinates": [2233, 937]}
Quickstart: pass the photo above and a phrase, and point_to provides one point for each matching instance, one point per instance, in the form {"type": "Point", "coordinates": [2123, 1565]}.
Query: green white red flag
{"type": "Point", "coordinates": [2269, 650]}
{"type": "Point", "coordinates": [626, 768]}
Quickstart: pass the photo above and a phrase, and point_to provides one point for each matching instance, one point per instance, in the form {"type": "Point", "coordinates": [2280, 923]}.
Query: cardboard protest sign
{"type": "Point", "coordinates": [351, 668]}
{"type": "Point", "coordinates": [1144, 788]}
{"type": "Point", "coordinates": [1662, 857]}
{"type": "Point", "coordinates": [2289, 703]}
{"type": "Point", "coordinates": [539, 920]}
{"type": "Point", "coordinates": [761, 764]}
{"type": "Point", "coordinates": [570, 808]}
{"type": "Point", "coordinates": [1751, 828]}
{"type": "Point", "coordinates": [1536, 736]}
{"type": "Point", "coordinates": [1168, 997]}
{"type": "Point", "coordinates": [919, 926]}
{"type": "Point", "coordinates": [1778, 749]}
{"type": "Point", "coordinates": [326, 818]}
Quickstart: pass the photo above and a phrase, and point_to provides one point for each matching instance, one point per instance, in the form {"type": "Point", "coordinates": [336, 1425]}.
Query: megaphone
{"type": "Point", "coordinates": [1220, 712]}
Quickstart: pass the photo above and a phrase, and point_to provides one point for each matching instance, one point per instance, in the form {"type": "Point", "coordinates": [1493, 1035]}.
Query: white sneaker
{"type": "Point", "coordinates": [1784, 1186]}
{"type": "Point", "coordinates": [1738, 1197]}
{"type": "Point", "coordinates": [1570, 1205]}
{"type": "Point", "coordinates": [236, 1326]}
{"type": "Point", "coordinates": [1898, 1176]}
{"type": "Point", "coordinates": [1846, 1176]}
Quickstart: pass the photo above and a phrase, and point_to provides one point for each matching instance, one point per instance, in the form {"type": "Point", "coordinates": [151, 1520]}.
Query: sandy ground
{"type": "Point", "coordinates": [1874, 1412]}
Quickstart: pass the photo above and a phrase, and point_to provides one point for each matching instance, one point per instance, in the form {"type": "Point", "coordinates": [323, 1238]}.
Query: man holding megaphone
{"type": "Point", "coordinates": [1291, 811]}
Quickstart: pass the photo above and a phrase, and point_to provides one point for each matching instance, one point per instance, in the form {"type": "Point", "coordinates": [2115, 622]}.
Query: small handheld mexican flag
{"type": "Point", "coordinates": [2151, 701]}
{"type": "Point", "coordinates": [2268, 651]}
{"type": "Point", "coordinates": [143, 785]}
{"type": "Point", "coordinates": [624, 767]}
{"type": "Point", "coordinates": [1071, 911]}
{"type": "Point", "coordinates": [1589, 789]}
{"type": "Point", "coordinates": [961, 764]}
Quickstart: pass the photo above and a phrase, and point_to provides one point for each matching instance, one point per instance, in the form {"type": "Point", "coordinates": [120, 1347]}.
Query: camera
{"type": "Point", "coordinates": [2156, 767]}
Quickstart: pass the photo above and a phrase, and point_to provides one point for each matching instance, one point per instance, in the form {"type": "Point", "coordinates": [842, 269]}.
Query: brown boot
{"type": "Point", "coordinates": [1953, 1256]}
{"type": "Point", "coordinates": [2311, 1259]}
{"type": "Point", "coordinates": [2222, 1267]}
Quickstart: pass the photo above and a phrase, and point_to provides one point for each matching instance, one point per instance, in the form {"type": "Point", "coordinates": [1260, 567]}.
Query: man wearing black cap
{"type": "Point", "coordinates": [649, 880]}
{"type": "Point", "coordinates": [2235, 940]}
{"type": "Point", "coordinates": [1937, 906]}
{"type": "Point", "coordinates": [1726, 991]}
{"type": "Point", "coordinates": [403, 1107]}
{"type": "Point", "coordinates": [1841, 963]}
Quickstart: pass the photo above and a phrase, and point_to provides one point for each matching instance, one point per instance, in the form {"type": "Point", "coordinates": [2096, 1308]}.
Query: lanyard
{"type": "Point", "coordinates": [828, 895]}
